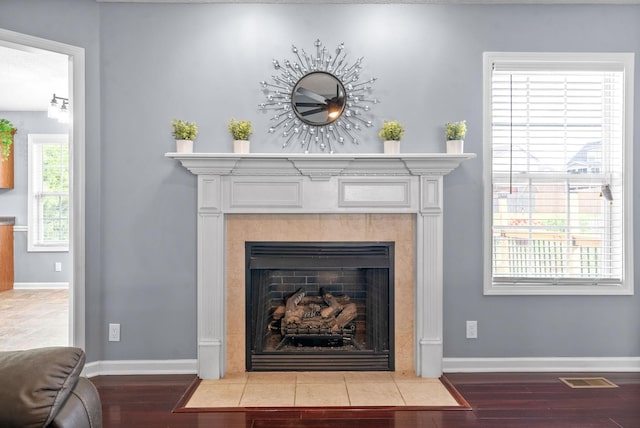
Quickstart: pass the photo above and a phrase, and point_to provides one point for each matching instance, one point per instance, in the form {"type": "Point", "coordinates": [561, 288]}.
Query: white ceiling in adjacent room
{"type": "Point", "coordinates": [29, 77]}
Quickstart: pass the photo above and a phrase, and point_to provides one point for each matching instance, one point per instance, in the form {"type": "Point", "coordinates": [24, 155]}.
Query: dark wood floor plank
{"type": "Point", "coordinates": [499, 400]}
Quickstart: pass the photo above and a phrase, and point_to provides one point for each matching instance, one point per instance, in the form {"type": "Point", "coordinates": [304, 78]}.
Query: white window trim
{"type": "Point", "coordinates": [32, 140]}
{"type": "Point", "coordinates": [627, 285]}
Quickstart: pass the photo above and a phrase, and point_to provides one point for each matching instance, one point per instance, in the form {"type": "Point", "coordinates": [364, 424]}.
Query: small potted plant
{"type": "Point", "coordinates": [391, 133]}
{"type": "Point", "coordinates": [240, 131]}
{"type": "Point", "coordinates": [6, 139]}
{"type": "Point", "coordinates": [455, 136]}
{"type": "Point", "coordinates": [184, 133]}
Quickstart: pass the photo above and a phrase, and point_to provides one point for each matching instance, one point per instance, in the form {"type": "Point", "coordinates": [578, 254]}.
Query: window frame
{"type": "Point", "coordinates": [545, 287]}
{"type": "Point", "coordinates": [33, 243]}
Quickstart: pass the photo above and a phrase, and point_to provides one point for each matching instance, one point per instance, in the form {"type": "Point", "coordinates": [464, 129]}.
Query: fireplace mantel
{"type": "Point", "coordinates": [320, 166]}
{"type": "Point", "coordinates": [267, 183]}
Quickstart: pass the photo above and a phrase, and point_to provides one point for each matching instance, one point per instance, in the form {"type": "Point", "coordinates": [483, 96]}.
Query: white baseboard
{"type": "Point", "coordinates": [560, 364]}
{"type": "Point", "coordinates": [40, 285]}
{"type": "Point", "coordinates": [140, 367]}
{"type": "Point", "coordinates": [450, 365]}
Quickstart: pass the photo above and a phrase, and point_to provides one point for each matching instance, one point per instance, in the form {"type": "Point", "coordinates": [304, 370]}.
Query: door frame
{"type": "Point", "coordinates": [77, 294]}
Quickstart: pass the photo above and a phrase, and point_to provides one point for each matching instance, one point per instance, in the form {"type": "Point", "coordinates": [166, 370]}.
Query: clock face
{"type": "Point", "coordinates": [318, 98]}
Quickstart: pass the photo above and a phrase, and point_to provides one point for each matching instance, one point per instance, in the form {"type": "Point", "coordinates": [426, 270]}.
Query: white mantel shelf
{"type": "Point", "coordinates": [320, 166]}
{"type": "Point", "coordinates": [268, 183]}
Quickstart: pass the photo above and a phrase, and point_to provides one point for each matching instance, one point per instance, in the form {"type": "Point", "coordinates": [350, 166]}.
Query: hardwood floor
{"type": "Point", "coordinates": [499, 400]}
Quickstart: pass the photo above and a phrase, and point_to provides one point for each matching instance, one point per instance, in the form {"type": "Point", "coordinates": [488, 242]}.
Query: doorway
{"type": "Point", "coordinates": [73, 57]}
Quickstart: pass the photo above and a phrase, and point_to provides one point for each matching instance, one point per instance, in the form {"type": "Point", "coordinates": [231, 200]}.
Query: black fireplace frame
{"type": "Point", "coordinates": [373, 256]}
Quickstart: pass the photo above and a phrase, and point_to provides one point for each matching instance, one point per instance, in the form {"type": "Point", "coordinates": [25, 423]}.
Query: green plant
{"type": "Point", "coordinates": [6, 138]}
{"type": "Point", "coordinates": [456, 130]}
{"type": "Point", "coordinates": [183, 130]}
{"type": "Point", "coordinates": [240, 129]}
{"type": "Point", "coordinates": [391, 130]}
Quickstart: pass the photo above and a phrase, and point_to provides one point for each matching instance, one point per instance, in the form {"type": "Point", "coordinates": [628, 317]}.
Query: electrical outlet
{"type": "Point", "coordinates": [114, 332]}
{"type": "Point", "coordinates": [57, 267]}
{"type": "Point", "coordinates": [472, 329]}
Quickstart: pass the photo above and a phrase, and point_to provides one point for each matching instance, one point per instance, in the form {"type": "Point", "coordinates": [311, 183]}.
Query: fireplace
{"type": "Point", "coordinates": [319, 306]}
{"type": "Point", "coordinates": [339, 197]}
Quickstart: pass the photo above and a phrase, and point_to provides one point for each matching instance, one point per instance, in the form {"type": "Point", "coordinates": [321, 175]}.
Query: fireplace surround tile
{"type": "Point", "coordinates": [398, 228]}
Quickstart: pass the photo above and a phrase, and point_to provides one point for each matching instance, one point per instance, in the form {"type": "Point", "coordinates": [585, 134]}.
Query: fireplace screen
{"type": "Point", "coordinates": [319, 306]}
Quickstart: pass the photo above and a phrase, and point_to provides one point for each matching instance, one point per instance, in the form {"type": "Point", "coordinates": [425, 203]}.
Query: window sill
{"type": "Point", "coordinates": [493, 289]}
{"type": "Point", "coordinates": [47, 249]}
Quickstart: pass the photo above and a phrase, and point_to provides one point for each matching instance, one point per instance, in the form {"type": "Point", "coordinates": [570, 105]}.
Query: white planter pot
{"type": "Point", "coordinates": [241, 146]}
{"type": "Point", "coordinates": [455, 147]}
{"type": "Point", "coordinates": [392, 147]}
{"type": "Point", "coordinates": [184, 146]}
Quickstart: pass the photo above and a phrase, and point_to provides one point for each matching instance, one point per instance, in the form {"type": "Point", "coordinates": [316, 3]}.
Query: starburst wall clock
{"type": "Point", "coordinates": [317, 100]}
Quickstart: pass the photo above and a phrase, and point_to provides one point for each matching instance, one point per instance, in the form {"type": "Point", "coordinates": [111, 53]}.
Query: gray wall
{"type": "Point", "coordinates": [30, 266]}
{"type": "Point", "coordinates": [75, 22]}
{"type": "Point", "coordinates": [203, 62]}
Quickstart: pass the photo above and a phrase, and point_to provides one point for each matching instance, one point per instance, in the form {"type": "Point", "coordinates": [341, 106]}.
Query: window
{"type": "Point", "coordinates": [48, 204]}
{"type": "Point", "coordinates": [558, 163]}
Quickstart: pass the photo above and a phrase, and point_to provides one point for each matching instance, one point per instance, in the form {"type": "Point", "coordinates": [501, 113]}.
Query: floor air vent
{"type": "Point", "coordinates": [588, 382]}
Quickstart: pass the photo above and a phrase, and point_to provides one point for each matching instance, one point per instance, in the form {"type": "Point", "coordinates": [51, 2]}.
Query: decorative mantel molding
{"type": "Point", "coordinates": [320, 166]}
{"type": "Point", "coordinates": [301, 183]}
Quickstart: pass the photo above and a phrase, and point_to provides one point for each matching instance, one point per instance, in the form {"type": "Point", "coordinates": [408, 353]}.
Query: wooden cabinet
{"type": "Point", "coordinates": [6, 256]}
{"type": "Point", "coordinates": [6, 169]}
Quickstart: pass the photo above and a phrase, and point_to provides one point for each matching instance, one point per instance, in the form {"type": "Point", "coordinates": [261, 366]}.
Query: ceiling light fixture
{"type": "Point", "coordinates": [59, 111]}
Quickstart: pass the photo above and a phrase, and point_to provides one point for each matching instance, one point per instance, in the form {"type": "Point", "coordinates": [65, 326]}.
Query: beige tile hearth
{"type": "Point", "coordinates": [330, 394]}
{"type": "Point", "coordinates": [319, 377]}
{"type": "Point", "coordinates": [416, 393]}
{"type": "Point", "coordinates": [269, 395]}
{"type": "Point", "coordinates": [320, 389]}
{"type": "Point", "coordinates": [374, 394]}
{"type": "Point", "coordinates": [218, 395]}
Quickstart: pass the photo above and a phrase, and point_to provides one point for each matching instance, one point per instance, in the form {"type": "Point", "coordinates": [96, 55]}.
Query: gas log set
{"type": "Point", "coordinates": [324, 317]}
{"type": "Point", "coordinates": [322, 306]}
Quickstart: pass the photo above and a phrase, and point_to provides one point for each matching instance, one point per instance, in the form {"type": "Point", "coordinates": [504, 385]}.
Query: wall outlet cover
{"type": "Point", "coordinates": [472, 329]}
{"type": "Point", "coordinates": [114, 332]}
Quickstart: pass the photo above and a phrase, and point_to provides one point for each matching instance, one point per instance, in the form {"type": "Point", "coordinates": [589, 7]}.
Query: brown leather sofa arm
{"type": "Point", "coordinates": [39, 385]}
{"type": "Point", "coordinates": [82, 409]}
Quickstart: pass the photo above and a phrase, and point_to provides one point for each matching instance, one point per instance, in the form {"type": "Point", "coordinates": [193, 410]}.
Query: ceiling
{"type": "Point", "coordinates": [29, 77]}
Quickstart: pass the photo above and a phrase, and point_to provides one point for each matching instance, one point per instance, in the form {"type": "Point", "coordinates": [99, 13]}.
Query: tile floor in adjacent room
{"type": "Point", "coordinates": [320, 389]}
{"type": "Point", "coordinates": [33, 318]}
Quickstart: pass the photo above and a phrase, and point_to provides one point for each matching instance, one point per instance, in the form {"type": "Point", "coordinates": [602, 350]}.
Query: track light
{"type": "Point", "coordinates": [57, 110]}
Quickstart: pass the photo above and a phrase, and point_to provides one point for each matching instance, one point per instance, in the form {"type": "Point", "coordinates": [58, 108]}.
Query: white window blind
{"type": "Point", "coordinates": [48, 189]}
{"type": "Point", "coordinates": [557, 147]}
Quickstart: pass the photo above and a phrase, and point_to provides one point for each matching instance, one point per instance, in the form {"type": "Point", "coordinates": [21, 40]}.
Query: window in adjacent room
{"type": "Point", "coordinates": [558, 173]}
{"type": "Point", "coordinates": [48, 188]}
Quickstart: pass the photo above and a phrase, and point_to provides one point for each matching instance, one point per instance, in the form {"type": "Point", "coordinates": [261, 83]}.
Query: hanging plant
{"type": "Point", "coordinates": [6, 138]}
